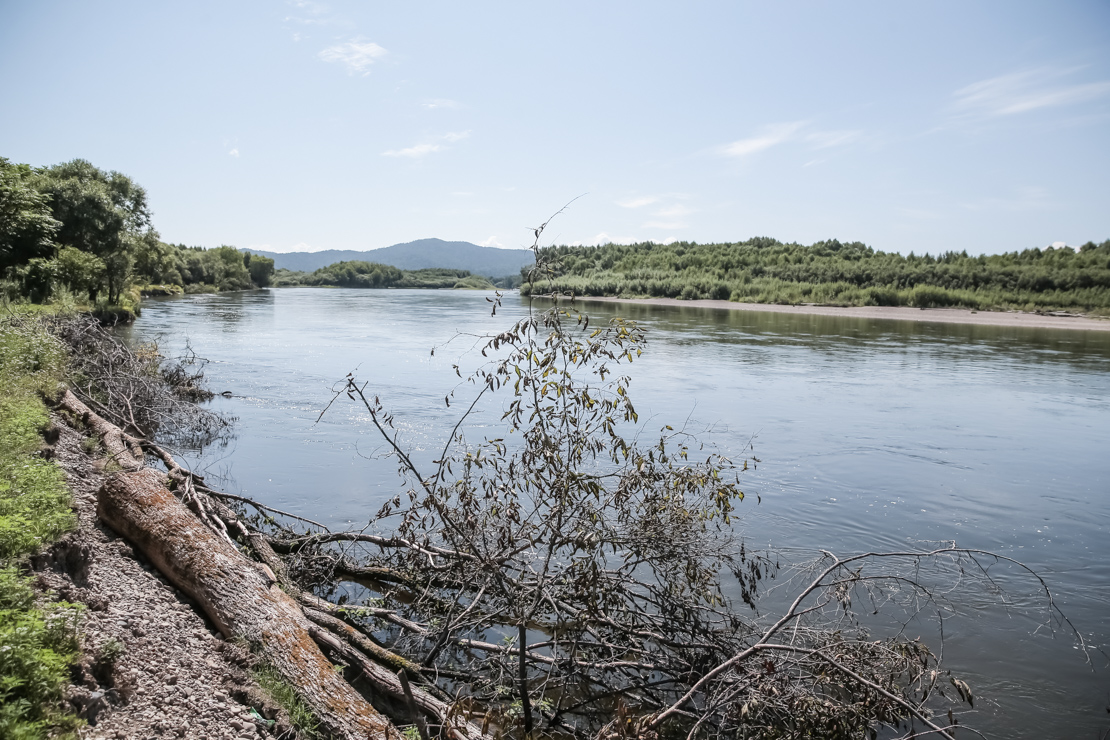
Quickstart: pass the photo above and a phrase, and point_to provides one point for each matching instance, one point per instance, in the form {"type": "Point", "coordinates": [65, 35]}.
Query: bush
{"type": "Point", "coordinates": [36, 644]}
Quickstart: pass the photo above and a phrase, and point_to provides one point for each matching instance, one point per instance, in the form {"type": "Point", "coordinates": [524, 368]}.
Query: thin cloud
{"type": "Point", "coordinates": [234, 152]}
{"type": "Point", "coordinates": [771, 136]}
{"type": "Point", "coordinates": [437, 103]}
{"type": "Point", "coordinates": [420, 150]}
{"type": "Point", "coordinates": [827, 139]}
{"type": "Point", "coordinates": [674, 211]}
{"type": "Point", "coordinates": [357, 56]}
{"type": "Point", "coordinates": [1026, 91]}
{"type": "Point", "coordinates": [310, 7]}
{"type": "Point", "coordinates": [646, 200]}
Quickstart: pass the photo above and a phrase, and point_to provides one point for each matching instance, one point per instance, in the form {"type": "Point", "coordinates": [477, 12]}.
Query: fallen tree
{"type": "Point", "coordinates": [188, 541]}
{"type": "Point", "coordinates": [237, 596]}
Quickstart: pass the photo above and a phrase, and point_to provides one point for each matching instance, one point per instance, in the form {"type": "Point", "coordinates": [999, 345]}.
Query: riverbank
{"type": "Point", "coordinates": [896, 313]}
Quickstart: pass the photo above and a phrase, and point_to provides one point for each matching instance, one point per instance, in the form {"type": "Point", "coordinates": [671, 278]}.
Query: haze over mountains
{"type": "Point", "coordinates": [416, 255]}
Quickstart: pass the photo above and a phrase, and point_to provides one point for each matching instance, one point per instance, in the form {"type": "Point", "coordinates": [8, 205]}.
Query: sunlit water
{"type": "Point", "coordinates": [871, 434]}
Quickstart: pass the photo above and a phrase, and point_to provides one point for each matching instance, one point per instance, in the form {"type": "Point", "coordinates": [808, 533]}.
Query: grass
{"type": "Point", "coordinates": [285, 696]}
{"type": "Point", "coordinates": [38, 642]}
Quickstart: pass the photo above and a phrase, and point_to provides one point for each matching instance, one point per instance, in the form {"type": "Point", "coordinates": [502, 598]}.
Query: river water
{"type": "Point", "coordinates": [871, 434]}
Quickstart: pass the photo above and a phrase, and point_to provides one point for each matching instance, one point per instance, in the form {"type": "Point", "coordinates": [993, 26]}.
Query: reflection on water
{"type": "Point", "coordinates": [872, 434]}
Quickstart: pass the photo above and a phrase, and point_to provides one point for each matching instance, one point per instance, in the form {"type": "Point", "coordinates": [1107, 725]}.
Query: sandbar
{"type": "Point", "coordinates": [898, 313]}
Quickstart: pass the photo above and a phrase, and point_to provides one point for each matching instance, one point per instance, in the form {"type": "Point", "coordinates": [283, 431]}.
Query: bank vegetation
{"type": "Point", "coordinates": [764, 270]}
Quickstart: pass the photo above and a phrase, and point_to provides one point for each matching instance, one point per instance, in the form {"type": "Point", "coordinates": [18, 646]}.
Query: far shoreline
{"type": "Point", "coordinates": [1015, 319]}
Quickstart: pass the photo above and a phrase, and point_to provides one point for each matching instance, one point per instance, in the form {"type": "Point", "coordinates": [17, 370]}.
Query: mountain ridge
{"type": "Point", "coordinates": [414, 255]}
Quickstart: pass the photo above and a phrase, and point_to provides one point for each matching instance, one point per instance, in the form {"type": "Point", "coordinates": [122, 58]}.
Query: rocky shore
{"type": "Point", "coordinates": [153, 665]}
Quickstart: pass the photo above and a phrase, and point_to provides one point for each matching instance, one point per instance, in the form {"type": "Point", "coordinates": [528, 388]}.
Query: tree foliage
{"type": "Point", "coordinates": [361, 274]}
{"type": "Point", "coordinates": [89, 230]}
{"type": "Point", "coordinates": [764, 270]}
{"type": "Point", "coordinates": [27, 226]}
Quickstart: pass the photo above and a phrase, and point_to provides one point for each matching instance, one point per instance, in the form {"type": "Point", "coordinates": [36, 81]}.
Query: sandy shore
{"type": "Point", "coordinates": [896, 313]}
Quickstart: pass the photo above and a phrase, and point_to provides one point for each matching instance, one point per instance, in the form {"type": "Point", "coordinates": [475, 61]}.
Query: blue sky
{"type": "Point", "coordinates": [303, 125]}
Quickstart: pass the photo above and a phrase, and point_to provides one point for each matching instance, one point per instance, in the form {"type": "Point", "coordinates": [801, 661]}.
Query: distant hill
{"type": "Point", "coordinates": [416, 255]}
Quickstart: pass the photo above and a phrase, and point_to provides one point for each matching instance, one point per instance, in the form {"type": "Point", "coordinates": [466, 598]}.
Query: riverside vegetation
{"type": "Point", "coordinates": [75, 234]}
{"type": "Point", "coordinates": [39, 638]}
{"type": "Point", "coordinates": [764, 270]}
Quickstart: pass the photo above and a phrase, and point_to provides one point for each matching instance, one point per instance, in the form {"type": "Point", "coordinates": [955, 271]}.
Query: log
{"type": "Point", "coordinates": [236, 596]}
{"type": "Point", "coordinates": [124, 449]}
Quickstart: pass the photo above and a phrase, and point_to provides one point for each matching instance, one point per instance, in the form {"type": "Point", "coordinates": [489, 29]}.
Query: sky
{"type": "Point", "coordinates": [301, 126]}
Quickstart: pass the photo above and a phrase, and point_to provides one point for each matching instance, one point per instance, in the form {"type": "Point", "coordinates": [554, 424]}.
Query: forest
{"type": "Point", "coordinates": [75, 234]}
{"type": "Point", "coordinates": [360, 274]}
{"type": "Point", "coordinates": [764, 270]}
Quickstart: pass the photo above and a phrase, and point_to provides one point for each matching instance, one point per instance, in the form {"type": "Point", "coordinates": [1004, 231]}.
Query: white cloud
{"type": "Point", "coordinates": [234, 152]}
{"type": "Point", "coordinates": [1022, 92]}
{"type": "Point", "coordinates": [771, 136]}
{"type": "Point", "coordinates": [296, 37]}
{"type": "Point", "coordinates": [491, 242]}
{"type": "Point", "coordinates": [420, 150]}
{"type": "Point", "coordinates": [826, 139]}
{"type": "Point", "coordinates": [435, 103]}
{"type": "Point", "coordinates": [604, 238]}
{"type": "Point", "coordinates": [309, 6]}
{"type": "Point", "coordinates": [357, 55]}
{"type": "Point", "coordinates": [674, 211]}
{"type": "Point", "coordinates": [646, 200]}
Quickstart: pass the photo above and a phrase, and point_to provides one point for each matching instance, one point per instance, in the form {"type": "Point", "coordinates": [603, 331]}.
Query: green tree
{"type": "Point", "coordinates": [27, 227]}
{"type": "Point", "coordinates": [261, 268]}
{"type": "Point", "coordinates": [80, 271]}
{"type": "Point", "coordinates": [103, 213]}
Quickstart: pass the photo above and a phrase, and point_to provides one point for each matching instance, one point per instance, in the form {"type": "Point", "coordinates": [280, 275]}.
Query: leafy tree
{"type": "Point", "coordinates": [80, 271]}
{"type": "Point", "coordinates": [103, 213]}
{"type": "Point", "coordinates": [36, 278]}
{"type": "Point", "coordinates": [27, 227]}
{"type": "Point", "coordinates": [261, 268]}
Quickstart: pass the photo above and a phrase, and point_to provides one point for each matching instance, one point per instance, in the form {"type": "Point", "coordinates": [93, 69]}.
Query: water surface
{"type": "Point", "coordinates": [872, 434]}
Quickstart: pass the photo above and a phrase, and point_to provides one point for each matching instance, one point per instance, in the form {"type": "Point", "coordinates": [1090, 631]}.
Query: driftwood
{"type": "Point", "coordinates": [236, 596]}
{"type": "Point", "coordinates": [190, 542]}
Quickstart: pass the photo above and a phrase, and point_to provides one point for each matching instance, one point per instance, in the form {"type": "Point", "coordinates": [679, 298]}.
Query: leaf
{"type": "Point", "coordinates": [964, 689]}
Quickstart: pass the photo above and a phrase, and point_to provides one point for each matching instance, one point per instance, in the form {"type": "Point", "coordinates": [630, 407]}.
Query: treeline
{"type": "Point", "coordinates": [75, 232]}
{"type": "Point", "coordinates": [359, 274]}
{"type": "Point", "coordinates": [764, 270]}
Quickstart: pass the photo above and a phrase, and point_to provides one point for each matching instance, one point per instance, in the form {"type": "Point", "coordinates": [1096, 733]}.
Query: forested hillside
{"type": "Point", "coordinates": [417, 255]}
{"type": "Point", "coordinates": [764, 270]}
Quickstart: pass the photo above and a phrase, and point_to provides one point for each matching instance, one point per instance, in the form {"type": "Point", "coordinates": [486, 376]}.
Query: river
{"type": "Point", "coordinates": [871, 434]}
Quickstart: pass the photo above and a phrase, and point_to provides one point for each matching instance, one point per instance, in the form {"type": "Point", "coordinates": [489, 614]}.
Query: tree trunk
{"type": "Point", "coordinates": [236, 596]}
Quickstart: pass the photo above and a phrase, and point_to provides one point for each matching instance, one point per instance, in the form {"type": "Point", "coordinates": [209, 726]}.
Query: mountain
{"type": "Point", "coordinates": [415, 255]}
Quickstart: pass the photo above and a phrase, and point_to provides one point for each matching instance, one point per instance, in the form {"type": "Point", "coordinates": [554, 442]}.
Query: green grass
{"type": "Point", "coordinates": [38, 642]}
{"type": "Point", "coordinates": [285, 696]}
